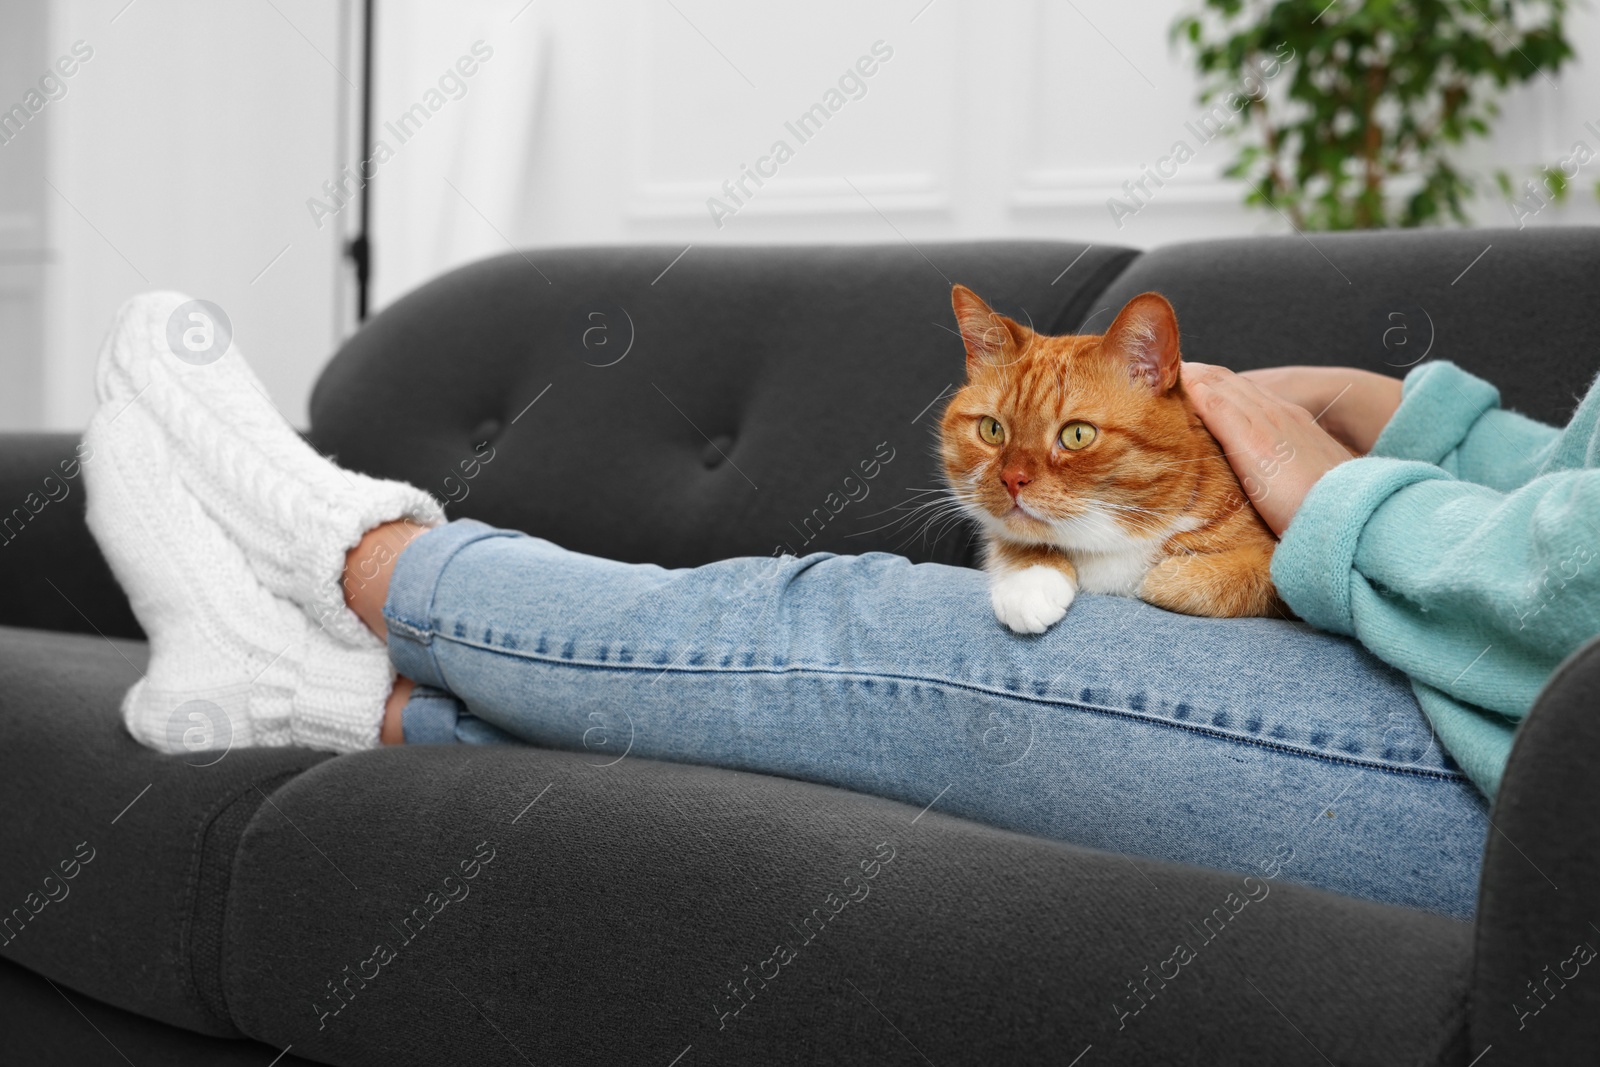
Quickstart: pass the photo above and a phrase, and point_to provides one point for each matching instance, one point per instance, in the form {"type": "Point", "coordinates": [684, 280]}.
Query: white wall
{"type": "Point", "coordinates": [198, 133]}
{"type": "Point", "coordinates": [181, 158]}
{"type": "Point", "coordinates": [1005, 118]}
{"type": "Point", "coordinates": [24, 241]}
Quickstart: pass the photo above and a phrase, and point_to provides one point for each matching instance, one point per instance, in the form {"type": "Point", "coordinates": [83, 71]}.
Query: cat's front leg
{"type": "Point", "coordinates": [1233, 583]}
{"type": "Point", "coordinates": [1031, 587]}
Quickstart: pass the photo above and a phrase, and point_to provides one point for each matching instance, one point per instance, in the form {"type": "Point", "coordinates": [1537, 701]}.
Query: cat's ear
{"type": "Point", "coordinates": [1145, 334]}
{"type": "Point", "coordinates": [990, 337]}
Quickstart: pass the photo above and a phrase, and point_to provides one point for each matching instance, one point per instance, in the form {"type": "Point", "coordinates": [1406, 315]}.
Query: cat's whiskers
{"type": "Point", "coordinates": [901, 506]}
{"type": "Point", "coordinates": [1143, 529]}
{"type": "Point", "coordinates": [948, 507]}
{"type": "Point", "coordinates": [1100, 521]}
{"type": "Point", "coordinates": [1134, 508]}
{"type": "Point", "coordinates": [1142, 519]}
{"type": "Point", "coordinates": [926, 511]}
{"type": "Point", "coordinates": [947, 520]}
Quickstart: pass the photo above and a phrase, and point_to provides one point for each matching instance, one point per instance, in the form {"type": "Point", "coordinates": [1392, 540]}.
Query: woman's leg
{"type": "Point", "coordinates": [1243, 744]}
{"type": "Point", "coordinates": [231, 535]}
{"type": "Point", "coordinates": [365, 581]}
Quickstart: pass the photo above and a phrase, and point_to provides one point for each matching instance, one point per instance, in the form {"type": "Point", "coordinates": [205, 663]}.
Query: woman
{"type": "Point", "coordinates": [288, 601]}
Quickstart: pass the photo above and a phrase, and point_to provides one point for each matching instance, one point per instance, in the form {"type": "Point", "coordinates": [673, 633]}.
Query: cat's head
{"type": "Point", "coordinates": [1071, 441]}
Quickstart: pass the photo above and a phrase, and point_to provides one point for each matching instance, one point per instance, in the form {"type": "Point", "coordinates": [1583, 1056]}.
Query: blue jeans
{"type": "Point", "coordinates": [1243, 744]}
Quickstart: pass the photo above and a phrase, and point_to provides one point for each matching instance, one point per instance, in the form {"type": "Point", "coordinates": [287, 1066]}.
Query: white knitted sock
{"type": "Point", "coordinates": [231, 665]}
{"type": "Point", "coordinates": [294, 513]}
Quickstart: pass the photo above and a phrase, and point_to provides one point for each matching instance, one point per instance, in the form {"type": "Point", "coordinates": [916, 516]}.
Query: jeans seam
{"type": "Point", "coordinates": [438, 567]}
{"type": "Point", "coordinates": [1125, 713]}
{"type": "Point", "coordinates": [418, 632]}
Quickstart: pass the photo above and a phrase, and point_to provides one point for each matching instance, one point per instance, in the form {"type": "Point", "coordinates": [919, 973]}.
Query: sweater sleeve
{"type": "Point", "coordinates": [1453, 420]}
{"type": "Point", "coordinates": [1475, 592]}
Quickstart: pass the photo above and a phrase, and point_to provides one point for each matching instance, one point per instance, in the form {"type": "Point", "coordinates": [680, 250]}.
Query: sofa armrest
{"type": "Point", "coordinates": [1536, 981]}
{"type": "Point", "coordinates": [50, 567]}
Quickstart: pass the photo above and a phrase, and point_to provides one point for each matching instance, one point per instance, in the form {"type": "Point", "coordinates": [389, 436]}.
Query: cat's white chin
{"type": "Point", "coordinates": [1033, 599]}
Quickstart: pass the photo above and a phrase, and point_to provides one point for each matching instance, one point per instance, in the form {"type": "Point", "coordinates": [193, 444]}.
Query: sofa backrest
{"type": "Point", "coordinates": [746, 401]}
{"type": "Point", "coordinates": [738, 401]}
{"type": "Point", "coordinates": [1517, 308]}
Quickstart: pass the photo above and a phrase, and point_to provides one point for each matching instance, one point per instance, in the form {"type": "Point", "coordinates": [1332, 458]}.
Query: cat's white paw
{"type": "Point", "coordinates": [1032, 600]}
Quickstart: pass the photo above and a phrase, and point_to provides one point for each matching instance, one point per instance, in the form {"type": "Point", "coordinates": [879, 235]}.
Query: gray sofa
{"type": "Point", "coordinates": [615, 912]}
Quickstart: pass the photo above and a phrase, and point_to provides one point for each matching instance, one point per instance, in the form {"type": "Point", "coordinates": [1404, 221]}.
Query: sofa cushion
{"type": "Point", "coordinates": [50, 568]}
{"type": "Point", "coordinates": [599, 914]}
{"type": "Point", "coordinates": [1518, 316]}
{"type": "Point", "coordinates": [117, 857]}
{"type": "Point", "coordinates": [747, 401]}
{"type": "Point", "coordinates": [517, 905]}
{"type": "Point", "coordinates": [44, 1025]}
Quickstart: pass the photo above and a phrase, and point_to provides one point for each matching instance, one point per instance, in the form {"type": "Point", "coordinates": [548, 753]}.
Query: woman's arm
{"type": "Point", "coordinates": [1453, 419]}
{"type": "Point", "coordinates": [1440, 414]}
{"type": "Point", "coordinates": [1352, 405]}
{"type": "Point", "coordinates": [1475, 591]}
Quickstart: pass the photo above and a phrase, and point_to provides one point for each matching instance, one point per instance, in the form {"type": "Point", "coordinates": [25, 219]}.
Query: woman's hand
{"type": "Point", "coordinates": [1354, 405]}
{"type": "Point", "coordinates": [1275, 447]}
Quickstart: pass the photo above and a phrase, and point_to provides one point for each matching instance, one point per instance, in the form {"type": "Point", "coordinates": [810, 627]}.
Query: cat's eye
{"type": "Point", "coordinates": [990, 430]}
{"type": "Point", "coordinates": [1076, 435]}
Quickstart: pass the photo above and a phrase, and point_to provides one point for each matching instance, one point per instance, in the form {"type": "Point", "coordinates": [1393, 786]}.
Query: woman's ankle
{"type": "Point", "coordinates": [368, 567]}
{"type": "Point", "coordinates": [392, 732]}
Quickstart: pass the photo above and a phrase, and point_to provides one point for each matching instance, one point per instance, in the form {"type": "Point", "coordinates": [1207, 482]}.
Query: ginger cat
{"type": "Point", "coordinates": [1085, 466]}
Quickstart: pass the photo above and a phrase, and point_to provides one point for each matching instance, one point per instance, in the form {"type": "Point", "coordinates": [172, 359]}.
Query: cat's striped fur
{"type": "Point", "coordinates": [1149, 507]}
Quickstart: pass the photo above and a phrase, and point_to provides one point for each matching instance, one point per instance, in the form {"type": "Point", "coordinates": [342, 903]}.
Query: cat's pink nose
{"type": "Point", "coordinates": [1015, 478]}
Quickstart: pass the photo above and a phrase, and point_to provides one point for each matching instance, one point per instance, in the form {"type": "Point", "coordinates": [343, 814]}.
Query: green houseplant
{"type": "Point", "coordinates": [1361, 129]}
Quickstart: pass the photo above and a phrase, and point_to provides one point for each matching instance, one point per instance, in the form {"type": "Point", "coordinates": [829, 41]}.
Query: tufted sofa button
{"type": "Point", "coordinates": [716, 451]}
{"type": "Point", "coordinates": [485, 432]}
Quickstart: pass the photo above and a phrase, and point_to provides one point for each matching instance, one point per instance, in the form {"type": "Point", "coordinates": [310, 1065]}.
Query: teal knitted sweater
{"type": "Point", "coordinates": [1462, 551]}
